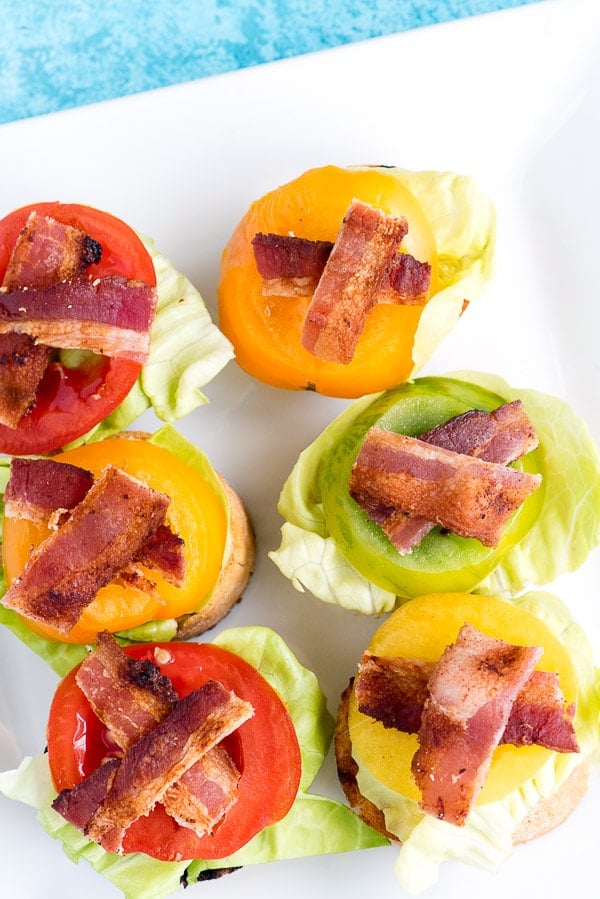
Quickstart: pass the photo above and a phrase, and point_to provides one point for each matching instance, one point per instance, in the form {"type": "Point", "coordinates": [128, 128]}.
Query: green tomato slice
{"type": "Point", "coordinates": [443, 561]}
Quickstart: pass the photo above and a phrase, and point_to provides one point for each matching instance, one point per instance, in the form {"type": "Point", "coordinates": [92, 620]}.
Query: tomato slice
{"type": "Point", "coordinates": [196, 513]}
{"type": "Point", "coordinates": [265, 749]}
{"type": "Point", "coordinates": [71, 401]}
{"type": "Point", "coordinates": [442, 561]}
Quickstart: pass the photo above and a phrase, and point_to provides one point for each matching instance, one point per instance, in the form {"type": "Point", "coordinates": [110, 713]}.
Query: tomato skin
{"type": "Point", "coordinates": [77, 743]}
{"type": "Point", "coordinates": [70, 402]}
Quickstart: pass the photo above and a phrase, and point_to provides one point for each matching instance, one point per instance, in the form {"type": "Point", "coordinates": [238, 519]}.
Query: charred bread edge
{"type": "Point", "coordinates": [545, 816]}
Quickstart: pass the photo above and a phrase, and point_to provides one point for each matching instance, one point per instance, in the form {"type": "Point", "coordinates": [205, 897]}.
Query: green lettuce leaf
{"type": "Point", "coordinates": [63, 656]}
{"type": "Point", "coordinates": [314, 825]}
{"type": "Point", "coordinates": [463, 222]}
{"type": "Point", "coordinates": [187, 350]}
{"type": "Point", "coordinates": [553, 533]}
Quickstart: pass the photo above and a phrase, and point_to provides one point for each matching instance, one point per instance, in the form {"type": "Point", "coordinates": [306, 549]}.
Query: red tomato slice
{"type": "Point", "coordinates": [71, 401]}
{"type": "Point", "coordinates": [265, 749]}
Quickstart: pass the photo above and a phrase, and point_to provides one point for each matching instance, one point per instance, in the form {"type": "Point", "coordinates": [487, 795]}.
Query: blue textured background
{"type": "Point", "coordinates": [65, 53]}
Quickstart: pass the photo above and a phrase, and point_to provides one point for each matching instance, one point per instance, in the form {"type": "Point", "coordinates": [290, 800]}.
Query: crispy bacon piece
{"type": "Point", "coordinates": [406, 282]}
{"type": "Point", "coordinates": [130, 697]}
{"type": "Point", "coordinates": [110, 316]}
{"type": "Point", "coordinates": [102, 535]}
{"type": "Point", "coordinates": [38, 489]}
{"type": "Point", "coordinates": [471, 692]}
{"type": "Point", "coordinates": [164, 550]}
{"type": "Point", "coordinates": [43, 490]}
{"type": "Point", "coordinates": [45, 251]}
{"type": "Point", "coordinates": [347, 290]}
{"type": "Point", "coordinates": [104, 805]}
{"type": "Point", "coordinates": [539, 716]}
{"type": "Point", "coordinates": [290, 266]}
{"type": "Point", "coordinates": [501, 436]}
{"type": "Point", "coordinates": [394, 691]}
{"type": "Point", "coordinates": [22, 366]}
{"type": "Point", "coordinates": [466, 495]}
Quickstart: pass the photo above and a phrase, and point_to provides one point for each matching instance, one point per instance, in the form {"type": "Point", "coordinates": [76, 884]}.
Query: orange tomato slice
{"type": "Point", "coordinates": [266, 330]}
{"type": "Point", "coordinates": [197, 513]}
{"type": "Point", "coordinates": [421, 629]}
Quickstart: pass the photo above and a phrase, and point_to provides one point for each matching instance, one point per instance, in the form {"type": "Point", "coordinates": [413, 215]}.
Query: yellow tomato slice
{"type": "Point", "coordinates": [421, 629]}
{"type": "Point", "coordinates": [197, 513]}
{"type": "Point", "coordinates": [266, 331]}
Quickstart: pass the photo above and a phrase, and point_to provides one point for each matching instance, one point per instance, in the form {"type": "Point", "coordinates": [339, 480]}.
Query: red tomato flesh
{"type": "Point", "coordinates": [71, 401]}
{"type": "Point", "coordinates": [265, 749]}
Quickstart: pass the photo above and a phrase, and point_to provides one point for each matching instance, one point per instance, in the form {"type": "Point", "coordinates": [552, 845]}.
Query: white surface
{"type": "Point", "coordinates": [512, 98]}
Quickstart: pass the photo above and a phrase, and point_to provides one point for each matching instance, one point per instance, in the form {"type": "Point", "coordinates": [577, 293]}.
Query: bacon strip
{"type": "Point", "coordinates": [105, 805]}
{"type": "Point", "coordinates": [501, 436]}
{"type": "Point", "coordinates": [472, 690]}
{"type": "Point", "coordinates": [130, 697]}
{"type": "Point", "coordinates": [164, 550]}
{"type": "Point", "coordinates": [407, 281]}
{"type": "Point", "coordinates": [289, 266]}
{"type": "Point", "coordinates": [469, 496]}
{"type": "Point", "coordinates": [102, 535]}
{"type": "Point", "coordinates": [110, 316]}
{"type": "Point", "coordinates": [43, 490]}
{"type": "Point", "coordinates": [22, 366]}
{"type": "Point", "coordinates": [347, 290]}
{"type": "Point", "coordinates": [37, 489]}
{"type": "Point", "coordinates": [45, 251]}
{"type": "Point", "coordinates": [395, 690]}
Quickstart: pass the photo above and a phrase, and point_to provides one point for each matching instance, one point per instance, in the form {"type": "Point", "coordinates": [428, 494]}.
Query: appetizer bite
{"type": "Point", "coordinates": [96, 326]}
{"type": "Point", "coordinates": [470, 727]}
{"type": "Point", "coordinates": [135, 534]}
{"type": "Point", "coordinates": [211, 799]}
{"type": "Point", "coordinates": [345, 280]}
{"type": "Point", "coordinates": [442, 484]}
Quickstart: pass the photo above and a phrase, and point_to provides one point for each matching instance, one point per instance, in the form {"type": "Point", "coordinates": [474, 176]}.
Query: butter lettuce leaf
{"type": "Point", "coordinates": [463, 222]}
{"type": "Point", "coordinates": [330, 548]}
{"type": "Point", "coordinates": [187, 350]}
{"type": "Point", "coordinates": [314, 825]}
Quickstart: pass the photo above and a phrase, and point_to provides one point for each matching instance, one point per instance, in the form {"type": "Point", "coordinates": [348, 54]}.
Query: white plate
{"type": "Point", "coordinates": [511, 98]}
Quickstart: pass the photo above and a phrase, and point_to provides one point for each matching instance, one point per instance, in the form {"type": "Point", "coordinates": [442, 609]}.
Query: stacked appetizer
{"type": "Point", "coordinates": [345, 280]}
{"type": "Point", "coordinates": [96, 326]}
{"type": "Point", "coordinates": [159, 770]}
{"type": "Point", "coordinates": [470, 726]}
{"type": "Point", "coordinates": [135, 534]}
{"type": "Point", "coordinates": [455, 483]}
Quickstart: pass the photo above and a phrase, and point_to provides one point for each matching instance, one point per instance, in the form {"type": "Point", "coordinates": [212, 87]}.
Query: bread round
{"type": "Point", "coordinates": [235, 572]}
{"type": "Point", "coordinates": [545, 816]}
